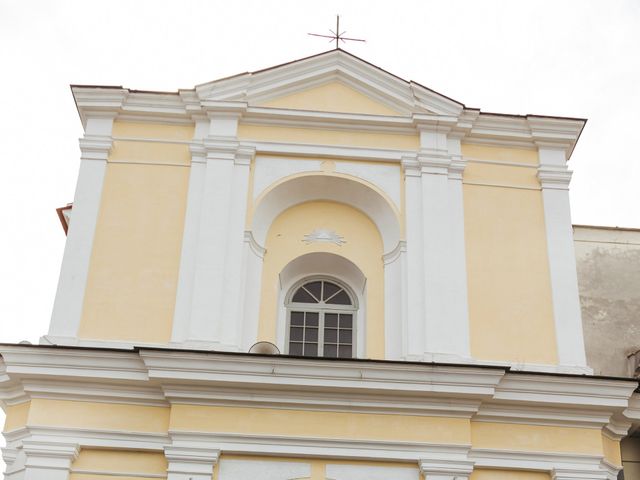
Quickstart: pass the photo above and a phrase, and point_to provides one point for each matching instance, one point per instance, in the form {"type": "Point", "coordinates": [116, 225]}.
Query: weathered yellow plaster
{"type": "Point", "coordinates": [525, 177]}
{"type": "Point", "coordinates": [328, 137]}
{"type": "Point", "coordinates": [331, 97]}
{"type": "Point", "coordinates": [611, 449]}
{"type": "Point", "coordinates": [363, 247]}
{"type": "Point", "coordinates": [152, 130]}
{"type": "Point", "coordinates": [133, 274]}
{"type": "Point", "coordinates": [16, 416]}
{"type": "Point", "coordinates": [113, 416]}
{"type": "Point", "coordinates": [122, 461]}
{"type": "Point", "coordinates": [153, 153]}
{"type": "Point", "coordinates": [539, 438]}
{"type": "Point", "coordinates": [521, 156]}
{"type": "Point", "coordinates": [161, 151]}
{"type": "Point", "coordinates": [490, 474]}
{"type": "Point", "coordinates": [509, 288]}
{"type": "Point", "coordinates": [303, 423]}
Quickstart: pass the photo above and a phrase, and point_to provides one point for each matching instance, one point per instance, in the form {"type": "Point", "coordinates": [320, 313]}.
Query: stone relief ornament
{"type": "Point", "coordinates": [322, 235]}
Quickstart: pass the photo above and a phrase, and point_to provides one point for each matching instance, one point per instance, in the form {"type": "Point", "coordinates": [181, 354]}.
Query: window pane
{"type": "Point", "coordinates": [311, 335]}
{"type": "Point", "coordinates": [330, 335]}
{"type": "Point", "coordinates": [346, 320]}
{"type": "Point", "coordinates": [296, 334]}
{"type": "Point", "coordinates": [330, 289]}
{"type": "Point", "coordinates": [331, 320]}
{"type": "Point", "coordinates": [302, 296]}
{"type": "Point", "coordinates": [330, 351]}
{"type": "Point", "coordinates": [310, 350]}
{"type": "Point", "coordinates": [312, 319]}
{"type": "Point", "coordinates": [344, 351]}
{"type": "Point", "coordinates": [295, 349]}
{"type": "Point", "coordinates": [345, 336]}
{"type": "Point", "coordinates": [297, 318]}
{"type": "Point", "coordinates": [340, 299]}
{"type": "Point", "coordinates": [314, 289]}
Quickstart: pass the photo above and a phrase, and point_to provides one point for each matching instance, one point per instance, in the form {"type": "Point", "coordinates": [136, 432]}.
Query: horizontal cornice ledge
{"type": "Point", "coordinates": [561, 390]}
{"type": "Point", "coordinates": [73, 363]}
{"type": "Point", "coordinates": [278, 372]}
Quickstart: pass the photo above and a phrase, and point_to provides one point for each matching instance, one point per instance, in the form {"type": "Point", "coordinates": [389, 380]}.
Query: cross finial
{"type": "Point", "coordinates": [337, 36]}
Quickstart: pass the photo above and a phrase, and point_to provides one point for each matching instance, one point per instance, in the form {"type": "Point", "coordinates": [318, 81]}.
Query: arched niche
{"type": "Point", "coordinates": [339, 188]}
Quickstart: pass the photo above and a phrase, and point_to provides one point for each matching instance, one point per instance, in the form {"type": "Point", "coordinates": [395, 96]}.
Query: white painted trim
{"type": "Point", "coordinates": [74, 272]}
{"type": "Point", "coordinates": [555, 179]}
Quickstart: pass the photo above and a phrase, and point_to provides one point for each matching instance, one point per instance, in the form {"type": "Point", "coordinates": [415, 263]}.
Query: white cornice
{"type": "Point", "coordinates": [162, 377]}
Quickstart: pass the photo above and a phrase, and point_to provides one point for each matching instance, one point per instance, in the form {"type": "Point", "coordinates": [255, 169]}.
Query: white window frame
{"type": "Point", "coordinates": [321, 309]}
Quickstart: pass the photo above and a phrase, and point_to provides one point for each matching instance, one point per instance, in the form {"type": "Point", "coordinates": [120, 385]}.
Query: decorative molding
{"type": "Point", "coordinates": [395, 254]}
{"type": "Point", "coordinates": [418, 107]}
{"type": "Point", "coordinates": [256, 248]}
{"type": "Point", "coordinates": [453, 464]}
{"type": "Point", "coordinates": [557, 178]}
{"type": "Point", "coordinates": [322, 235]}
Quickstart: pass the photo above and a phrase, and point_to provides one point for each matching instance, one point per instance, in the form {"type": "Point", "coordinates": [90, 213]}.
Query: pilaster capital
{"type": "Point", "coordinates": [552, 177]}
{"type": "Point", "coordinates": [221, 108]}
{"type": "Point", "coordinates": [244, 155]}
{"type": "Point", "coordinates": [411, 166]}
{"type": "Point", "coordinates": [434, 123]}
{"type": "Point", "coordinates": [95, 147]}
{"type": "Point", "coordinates": [220, 147]}
{"type": "Point", "coordinates": [451, 463]}
{"type": "Point", "coordinates": [191, 460]}
{"type": "Point", "coordinates": [457, 166]}
{"type": "Point", "coordinates": [49, 454]}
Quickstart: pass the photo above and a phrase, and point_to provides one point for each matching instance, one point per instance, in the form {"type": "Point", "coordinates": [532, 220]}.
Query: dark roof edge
{"type": "Point", "coordinates": [136, 349]}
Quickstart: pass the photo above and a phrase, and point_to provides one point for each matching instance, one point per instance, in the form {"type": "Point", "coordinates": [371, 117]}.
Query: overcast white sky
{"type": "Point", "coordinates": [575, 58]}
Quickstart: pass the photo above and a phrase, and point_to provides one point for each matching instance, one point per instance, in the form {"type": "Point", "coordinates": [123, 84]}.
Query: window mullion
{"type": "Point", "coordinates": [321, 335]}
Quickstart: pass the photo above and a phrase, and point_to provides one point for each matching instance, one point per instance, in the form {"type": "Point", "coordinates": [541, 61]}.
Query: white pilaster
{"type": "Point", "coordinates": [252, 261]}
{"type": "Point", "coordinates": [395, 312]}
{"type": "Point", "coordinates": [48, 461]}
{"type": "Point", "coordinates": [67, 309]}
{"type": "Point", "coordinates": [188, 257]}
{"type": "Point", "coordinates": [190, 462]}
{"type": "Point", "coordinates": [415, 328]}
{"type": "Point", "coordinates": [445, 289]}
{"type": "Point", "coordinates": [209, 301]}
{"type": "Point", "coordinates": [235, 263]}
{"type": "Point", "coordinates": [554, 178]}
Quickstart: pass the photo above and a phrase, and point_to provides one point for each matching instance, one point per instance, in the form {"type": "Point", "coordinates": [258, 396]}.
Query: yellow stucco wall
{"type": "Point", "coordinates": [491, 474]}
{"type": "Point", "coordinates": [328, 137]}
{"type": "Point", "coordinates": [363, 247]}
{"type": "Point", "coordinates": [110, 416]}
{"type": "Point", "coordinates": [97, 464]}
{"type": "Point", "coordinates": [16, 416]}
{"type": "Point", "coordinates": [304, 423]}
{"type": "Point", "coordinates": [133, 274]}
{"type": "Point", "coordinates": [611, 450]}
{"type": "Point", "coordinates": [331, 97]}
{"type": "Point", "coordinates": [509, 286]}
{"type": "Point", "coordinates": [506, 436]}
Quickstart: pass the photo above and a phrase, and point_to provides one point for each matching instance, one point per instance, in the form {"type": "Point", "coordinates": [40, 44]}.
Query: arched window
{"type": "Point", "coordinates": [321, 320]}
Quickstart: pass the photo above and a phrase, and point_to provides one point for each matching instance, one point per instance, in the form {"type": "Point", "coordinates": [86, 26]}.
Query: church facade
{"type": "Point", "coordinates": [314, 271]}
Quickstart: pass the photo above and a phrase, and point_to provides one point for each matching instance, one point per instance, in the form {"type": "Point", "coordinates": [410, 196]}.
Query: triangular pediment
{"type": "Point", "coordinates": [334, 81]}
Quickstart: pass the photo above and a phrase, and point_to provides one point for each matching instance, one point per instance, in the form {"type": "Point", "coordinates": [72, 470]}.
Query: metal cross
{"type": "Point", "coordinates": [337, 36]}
